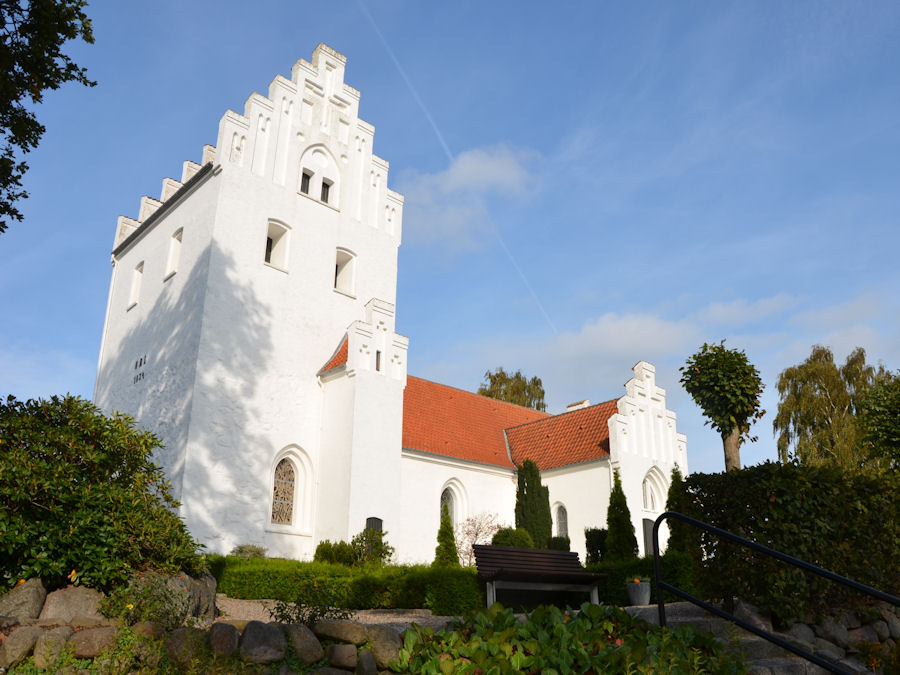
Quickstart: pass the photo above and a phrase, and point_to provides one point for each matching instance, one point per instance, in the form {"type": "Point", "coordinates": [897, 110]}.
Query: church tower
{"type": "Point", "coordinates": [250, 322]}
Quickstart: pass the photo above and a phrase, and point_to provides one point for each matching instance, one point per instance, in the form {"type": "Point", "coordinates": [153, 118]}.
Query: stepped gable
{"type": "Point", "coordinates": [569, 438]}
{"type": "Point", "coordinates": [455, 423]}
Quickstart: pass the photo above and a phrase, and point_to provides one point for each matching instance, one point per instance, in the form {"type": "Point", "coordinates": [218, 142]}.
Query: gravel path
{"type": "Point", "coordinates": [401, 619]}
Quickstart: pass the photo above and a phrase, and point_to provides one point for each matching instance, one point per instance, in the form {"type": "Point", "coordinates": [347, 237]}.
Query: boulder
{"type": "Point", "coordinates": [184, 644]}
{"type": "Point", "coordinates": [823, 646]}
{"type": "Point", "coordinates": [240, 624]}
{"type": "Point", "coordinates": [24, 602]}
{"type": "Point", "coordinates": [88, 643]}
{"type": "Point", "coordinates": [365, 663]}
{"type": "Point", "coordinates": [50, 645]}
{"type": "Point", "coordinates": [882, 630]}
{"type": "Point", "coordinates": [18, 645]}
{"type": "Point", "coordinates": [894, 626]}
{"type": "Point", "coordinates": [342, 631]}
{"type": "Point", "coordinates": [863, 634]}
{"type": "Point", "coordinates": [341, 656]}
{"type": "Point", "coordinates": [385, 643]}
{"type": "Point", "coordinates": [73, 601]}
{"type": "Point", "coordinates": [223, 639]}
{"type": "Point", "coordinates": [262, 643]}
{"type": "Point", "coordinates": [305, 643]}
{"type": "Point", "coordinates": [834, 632]}
{"type": "Point", "coordinates": [802, 632]}
{"type": "Point", "coordinates": [747, 612]}
{"type": "Point", "coordinates": [199, 593]}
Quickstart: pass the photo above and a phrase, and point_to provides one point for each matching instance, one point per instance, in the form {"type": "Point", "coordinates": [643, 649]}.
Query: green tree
{"type": "Point", "coordinates": [819, 406]}
{"type": "Point", "coordinates": [514, 388]}
{"type": "Point", "coordinates": [81, 498]}
{"type": "Point", "coordinates": [621, 544]}
{"type": "Point", "coordinates": [507, 536]}
{"type": "Point", "coordinates": [31, 60]}
{"type": "Point", "coordinates": [727, 387]}
{"type": "Point", "coordinates": [533, 504]}
{"type": "Point", "coordinates": [675, 501]}
{"type": "Point", "coordinates": [445, 555]}
{"type": "Point", "coordinates": [879, 420]}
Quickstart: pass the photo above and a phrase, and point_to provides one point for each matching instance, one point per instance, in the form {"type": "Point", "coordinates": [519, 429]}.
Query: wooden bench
{"type": "Point", "coordinates": [532, 569]}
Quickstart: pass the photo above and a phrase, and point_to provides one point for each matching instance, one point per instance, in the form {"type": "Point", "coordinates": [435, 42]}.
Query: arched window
{"type": "Point", "coordinates": [654, 490]}
{"type": "Point", "coordinates": [319, 175]}
{"type": "Point", "coordinates": [283, 493]}
{"type": "Point", "coordinates": [277, 243]}
{"type": "Point", "coordinates": [447, 503]}
{"type": "Point", "coordinates": [562, 521]}
{"type": "Point", "coordinates": [344, 271]}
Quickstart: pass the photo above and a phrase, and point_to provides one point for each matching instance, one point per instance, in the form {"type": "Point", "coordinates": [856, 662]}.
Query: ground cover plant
{"type": "Point", "coordinates": [594, 639]}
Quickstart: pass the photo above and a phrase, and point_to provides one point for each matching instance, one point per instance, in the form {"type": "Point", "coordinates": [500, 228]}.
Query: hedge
{"type": "Point", "coordinates": [846, 522]}
{"type": "Point", "coordinates": [677, 569]}
{"type": "Point", "coordinates": [446, 591]}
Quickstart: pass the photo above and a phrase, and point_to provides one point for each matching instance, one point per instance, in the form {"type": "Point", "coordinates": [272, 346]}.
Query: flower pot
{"type": "Point", "coordinates": [638, 594]}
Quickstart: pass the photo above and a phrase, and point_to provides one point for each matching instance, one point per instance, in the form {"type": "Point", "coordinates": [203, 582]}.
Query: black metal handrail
{"type": "Point", "coordinates": [784, 557]}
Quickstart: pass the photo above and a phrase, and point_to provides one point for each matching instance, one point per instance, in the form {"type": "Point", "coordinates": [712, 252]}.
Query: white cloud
{"type": "Point", "coordinates": [451, 206]}
{"type": "Point", "coordinates": [742, 311]}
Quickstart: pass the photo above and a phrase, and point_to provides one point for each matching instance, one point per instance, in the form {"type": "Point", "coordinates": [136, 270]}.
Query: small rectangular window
{"type": "Point", "coordinates": [304, 182]}
{"type": "Point", "coordinates": [136, 277]}
{"type": "Point", "coordinates": [378, 360]}
{"type": "Point", "coordinates": [269, 245]}
{"type": "Point", "coordinates": [174, 255]}
{"type": "Point", "coordinates": [326, 188]}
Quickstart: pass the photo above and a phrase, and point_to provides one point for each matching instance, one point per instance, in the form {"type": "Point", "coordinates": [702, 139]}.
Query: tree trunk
{"type": "Point", "coordinates": [732, 444]}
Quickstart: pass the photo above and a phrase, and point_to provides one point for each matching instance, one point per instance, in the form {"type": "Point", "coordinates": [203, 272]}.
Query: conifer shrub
{"type": "Point", "coordinates": [559, 544]}
{"type": "Point", "coordinates": [338, 552]}
{"type": "Point", "coordinates": [595, 544]}
{"type": "Point", "coordinates": [508, 536]}
{"type": "Point", "coordinates": [369, 547]}
{"type": "Point", "coordinates": [445, 554]}
{"type": "Point", "coordinates": [533, 504]}
{"type": "Point", "coordinates": [621, 544]}
{"type": "Point", "coordinates": [81, 499]}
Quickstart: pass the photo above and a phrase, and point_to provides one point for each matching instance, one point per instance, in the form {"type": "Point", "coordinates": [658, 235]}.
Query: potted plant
{"type": "Point", "coordinates": [638, 591]}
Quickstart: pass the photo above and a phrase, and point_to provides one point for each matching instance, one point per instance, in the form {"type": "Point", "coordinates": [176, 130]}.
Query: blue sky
{"type": "Point", "coordinates": [587, 184]}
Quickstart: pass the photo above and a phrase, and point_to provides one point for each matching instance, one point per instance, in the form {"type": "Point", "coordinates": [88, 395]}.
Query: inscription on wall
{"type": "Point", "coordinates": [139, 364]}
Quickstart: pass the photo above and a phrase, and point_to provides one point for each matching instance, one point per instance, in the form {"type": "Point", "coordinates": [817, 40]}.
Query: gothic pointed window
{"type": "Point", "coordinates": [447, 504]}
{"type": "Point", "coordinates": [562, 521]}
{"type": "Point", "coordinates": [283, 493]}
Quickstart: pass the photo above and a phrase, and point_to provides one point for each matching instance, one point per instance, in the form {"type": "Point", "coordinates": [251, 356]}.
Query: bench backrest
{"type": "Point", "coordinates": [489, 559]}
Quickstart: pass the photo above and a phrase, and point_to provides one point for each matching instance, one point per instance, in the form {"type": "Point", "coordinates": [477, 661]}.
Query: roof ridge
{"type": "Point", "coordinates": [496, 400]}
{"type": "Point", "coordinates": [562, 414]}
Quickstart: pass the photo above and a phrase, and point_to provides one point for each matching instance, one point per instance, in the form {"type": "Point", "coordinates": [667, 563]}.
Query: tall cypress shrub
{"type": "Point", "coordinates": [621, 544]}
{"type": "Point", "coordinates": [445, 555]}
{"type": "Point", "coordinates": [675, 501]}
{"type": "Point", "coordinates": [533, 504]}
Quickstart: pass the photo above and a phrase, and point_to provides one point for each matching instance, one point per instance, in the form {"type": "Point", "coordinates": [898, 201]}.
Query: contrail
{"type": "Point", "coordinates": [450, 156]}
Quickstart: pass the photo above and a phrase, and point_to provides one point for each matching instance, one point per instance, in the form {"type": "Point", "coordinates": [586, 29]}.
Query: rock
{"type": "Point", "coordinates": [184, 644]}
{"type": "Point", "coordinates": [802, 632]}
{"type": "Point", "coordinates": [365, 663]}
{"type": "Point", "coordinates": [823, 646]}
{"type": "Point", "coordinates": [305, 643]}
{"type": "Point", "coordinates": [342, 631]}
{"type": "Point", "coordinates": [224, 639]}
{"type": "Point", "coordinates": [894, 626]}
{"type": "Point", "coordinates": [863, 634]}
{"type": "Point", "coordinates": [72, 601]}
{"type": "Point", "coordinates": [88, 643]}
{"type": "Point", "coordinates": [148, 629]}
{"type": "Point", "coordinates": [24, 602]}
{"type": "Point", "coordinates": [18, 645]}
{"type": "Point", "coordinates": [199, 594]}
{"type": "Point", "coordinates": [50, 645]}
{"type": "Point", "coordinates": [328, 670]}
{"type": "Point", "coordinates": [854, 666]}
{"type": "Point", "coordinates": [850, 620]}
{"type": "Point", "coordinates": [747, 612]}
{"type": "Point", "coordinates": [262, 643]}
{"type": "Point", "coordinates": [385, 642]}
{"type": "Point", "coordinates": [285, 669]}
{"type": "Point", "coordinates": [240, 624]}
{"type": "Point", "coordinates": [881, 630]}
{"type": "Point", "coordinates": [834, 632]}
{"type": "Point", "coordinates": [341, 656]}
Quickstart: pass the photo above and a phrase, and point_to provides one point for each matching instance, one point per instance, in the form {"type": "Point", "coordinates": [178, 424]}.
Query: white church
{"type": "Point", "coordinates": [250, 324]}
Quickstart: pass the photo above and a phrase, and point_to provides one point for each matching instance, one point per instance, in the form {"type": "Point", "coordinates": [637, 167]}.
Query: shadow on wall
{"type": "Point", "coordinates": [192, 365]}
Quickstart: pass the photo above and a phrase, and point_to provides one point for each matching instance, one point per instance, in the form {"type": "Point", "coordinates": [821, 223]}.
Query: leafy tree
{"type": "Point", "coordinates": [621, 544]}
{"type": "Point", "coordinates": [820, 402]}
{"type": "Point", "coordinates": [533, 504]}
{"type": "Point", "coordinates": [445, 554]}
{"type": "Point", "coordinates": [81, 499]}
{"type": "Point", "coordinates": [727, 387]}
{"type": "Point", "coordinates": [514, 388]}
{"type": "Point", "coordinates": [31, 59]}
{"type": "Point", "coordinates": [879, 420]}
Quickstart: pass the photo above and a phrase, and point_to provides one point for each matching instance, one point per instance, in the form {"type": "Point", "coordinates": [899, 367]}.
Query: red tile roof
{"type": "Point", "coordinates": [339, 358]}
{"type": "Point", "coordinates": [457, 423]}
{"type": "Point", "coordinates": [572, 437]}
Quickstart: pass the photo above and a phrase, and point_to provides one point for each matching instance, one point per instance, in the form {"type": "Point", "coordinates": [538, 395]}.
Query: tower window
{"type": "Point", "coordinates": [277, 245]}
{"type": "Point", "coordinates": [326, 190]}
{"type": "Point", "coordinates": [344, 263]}
{"type": "Point", "coordinates": [305, 177]}
{"type": "Point", "coordinates": [378, 360]}
{"type": "Point", "coordinates": [174, 254]}
{"type": "Point", "coordinates": [136, 277]}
